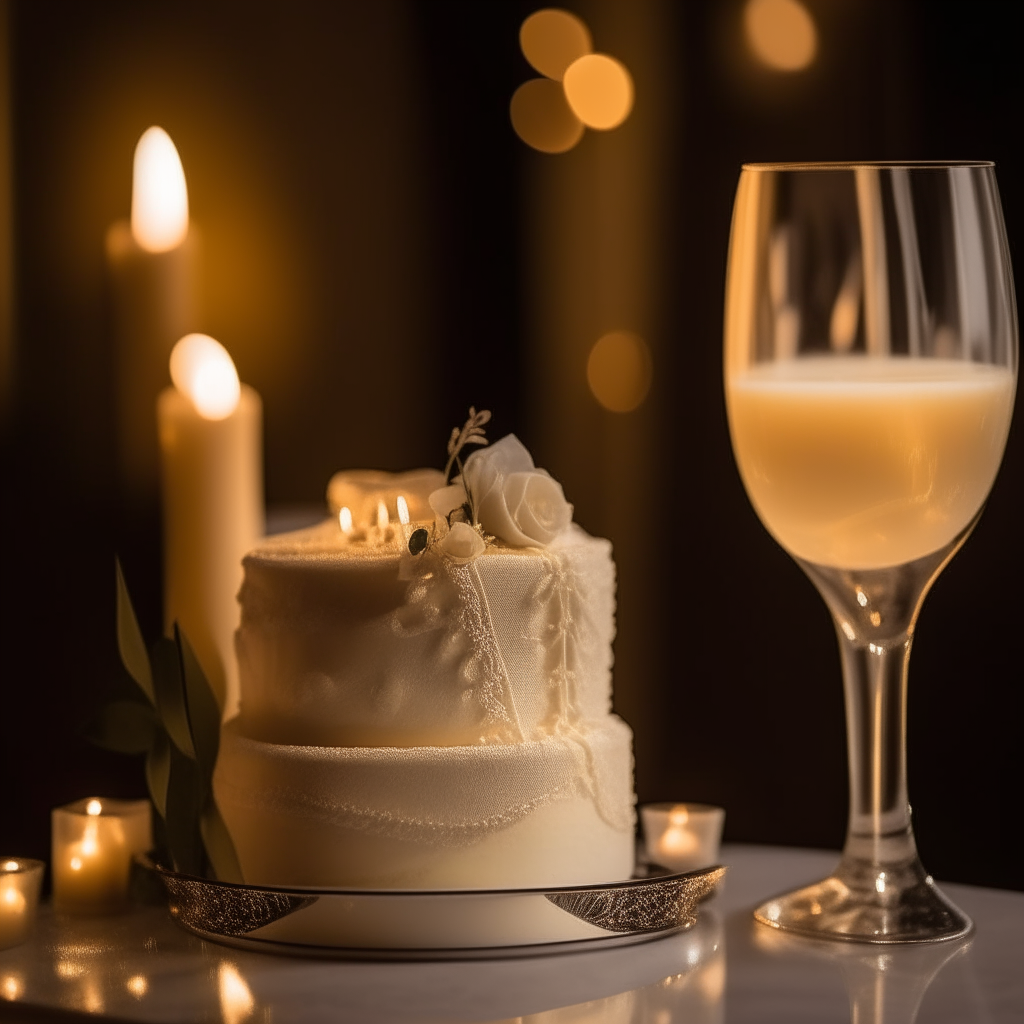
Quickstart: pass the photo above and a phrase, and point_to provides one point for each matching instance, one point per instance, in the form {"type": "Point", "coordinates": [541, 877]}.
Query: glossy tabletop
{"type": "Point", "coordinates": [142, 966]}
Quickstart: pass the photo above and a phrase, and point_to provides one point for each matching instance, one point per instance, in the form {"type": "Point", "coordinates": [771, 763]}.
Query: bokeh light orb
{"type": "Point", "coordinates": [551, 39]}
{"type": "Point", "coordinates": [619, 371]}
{"type": "Point", "coordinates": [541, 116]}
{"type": "Point", "coordinates": [599, 90]}
{"type": "Point", "coordinates": [781, 33]}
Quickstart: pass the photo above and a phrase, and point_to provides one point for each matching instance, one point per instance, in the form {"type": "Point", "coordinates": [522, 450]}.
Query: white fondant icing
{"type": "Point", "coordinates": [414, 722]}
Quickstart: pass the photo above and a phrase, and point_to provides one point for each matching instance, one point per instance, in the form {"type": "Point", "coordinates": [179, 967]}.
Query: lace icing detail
{"type": "Point", "coordinates": [451, 597]}
{"type": "Point", "coordinates": [391, 825]}
{"type": "Point", "coordinates": [562, 589]}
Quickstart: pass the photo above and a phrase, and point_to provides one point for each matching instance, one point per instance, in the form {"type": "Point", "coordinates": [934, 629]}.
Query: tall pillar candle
{"type": "Point", "coordinates": [153, 261]}
{"type": "Point", "coordinates": [211, 450]}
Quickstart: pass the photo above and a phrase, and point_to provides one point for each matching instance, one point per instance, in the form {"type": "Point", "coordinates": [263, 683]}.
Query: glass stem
{"type": "Point", "coordinates": [875, 611]}
{"type": "Point", "coordinates": [875, 683]}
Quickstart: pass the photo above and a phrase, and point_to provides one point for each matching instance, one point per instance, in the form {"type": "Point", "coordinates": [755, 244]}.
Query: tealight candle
{"type": "Point", "coordinates": [93, 844]}
{"type": "Point", "coordinates": [20, 882]}
{"type": "Point", "coordinates": [683, 837]}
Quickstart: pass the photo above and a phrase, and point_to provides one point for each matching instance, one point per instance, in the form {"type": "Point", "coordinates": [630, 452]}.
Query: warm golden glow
{"type": "Point", "coordinates": [781, 33]}
{"type": "Point", "coordinates": [599, 91]}
{"type": "Point", "coordinates": [159, 194]}
{"type": "Point", "coordinates": [236, 1001]}
{"type": "Point", "coordinates": [92, 996]}
{"type": "Point", "coordinates": [69, 969]}
{"type": "Point", "coordinates": [93, 807]}
{"type": "Point", "coordinates": [619, 371]}
{"type": "Point", "coordinates": [345, 519]}
{"type": "Point", "coordinates": [677, 842]}
{"type": "Point", "coordinates": [403, 510]}
{"type": "Point", "coordinates": [11, 987]}
{"type": "Point", "coordinates": [383, 519]}
{"type": "Point", "coordinates": [137, 985]}
{"type": "Point", "coordinates": [12, 899]}
{"type": "Point", "coordinates": [11, 865]}
{"type": "Point", "coordinates": [203, 371]}
{"type": "Point", "coordinates": [541, 116]}
{"type": "Point", "coordinates": [552, 39]}
{"type": "Point", "coordinates": [76, 863]}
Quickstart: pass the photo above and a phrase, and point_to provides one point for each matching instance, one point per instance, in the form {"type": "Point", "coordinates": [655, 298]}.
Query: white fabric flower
{"type": "Point", "coordinates": [446, 499]}
{"type": "Point", "coordinates": [461, 543]}
{"type": "Point", "coordinates": [513, 500]}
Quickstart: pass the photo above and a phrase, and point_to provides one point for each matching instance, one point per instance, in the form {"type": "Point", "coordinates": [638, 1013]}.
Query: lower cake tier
{"type": "Point", "coordinates": [557, 811]}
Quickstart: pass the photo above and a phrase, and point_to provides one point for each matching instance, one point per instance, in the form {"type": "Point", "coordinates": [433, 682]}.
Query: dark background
{"type": "Point", "coordinates": [365, 210]}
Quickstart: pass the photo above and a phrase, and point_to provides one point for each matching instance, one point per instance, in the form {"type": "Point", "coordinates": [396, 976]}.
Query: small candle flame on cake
{"type": "Point", "coordinates": [383, 519]}
{"type": "Point", "coordinates": [345, 519]}
{"type": "Point", "coordinates": [11, 865]}
{"type": "Point", "coordinates": [403, 510]}
{"type": "Point", "coordinates": [93, 807]}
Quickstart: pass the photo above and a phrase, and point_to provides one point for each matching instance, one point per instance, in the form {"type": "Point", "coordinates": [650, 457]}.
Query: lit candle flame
{"type": "Point", "coordinates": [94, 807]}
{"type": "Point", "coordinates": [159, 193]}
{"type": "Point", "coordinates": [678, 817]}
{"type": "Point", "coordinates": [11, 865]}
{"type": "Point", "coordinates": [383, 519]}
{"type": "Point", "coordinates": [403, 510]}
{"type": "Point", "coordinates": [345, 519]}
{"type": "Point", "coordinates": [203, 371]}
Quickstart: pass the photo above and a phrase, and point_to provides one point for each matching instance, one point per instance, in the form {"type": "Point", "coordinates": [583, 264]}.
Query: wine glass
{"type": "Point", "coordinates": [870, 371]}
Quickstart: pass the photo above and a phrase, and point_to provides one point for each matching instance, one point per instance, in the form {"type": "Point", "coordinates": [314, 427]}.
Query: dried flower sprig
{"type": "Point", "coordinates": [472, 432]}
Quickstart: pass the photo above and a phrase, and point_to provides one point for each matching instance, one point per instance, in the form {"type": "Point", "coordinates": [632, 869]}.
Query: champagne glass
{"type": "Point", "coordinates": [870, 371]}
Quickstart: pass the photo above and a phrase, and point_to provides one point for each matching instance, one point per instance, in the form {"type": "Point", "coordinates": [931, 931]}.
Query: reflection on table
{"type": "Point", "coordinates": [142, 966]}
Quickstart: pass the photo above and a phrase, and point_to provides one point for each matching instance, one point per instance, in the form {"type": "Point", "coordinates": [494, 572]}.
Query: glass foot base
{"type": "Point", "coordinates": [862, 902]}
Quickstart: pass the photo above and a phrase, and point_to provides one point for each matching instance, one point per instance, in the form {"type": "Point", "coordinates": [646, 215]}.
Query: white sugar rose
{"type": "Point", "coordinates": [461, 543]}
{"type": "Point", "coordinates": [513, 500]}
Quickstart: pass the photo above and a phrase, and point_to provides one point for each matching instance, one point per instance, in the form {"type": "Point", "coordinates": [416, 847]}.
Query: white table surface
{"type": "Point", "coordinates": [143, 967]}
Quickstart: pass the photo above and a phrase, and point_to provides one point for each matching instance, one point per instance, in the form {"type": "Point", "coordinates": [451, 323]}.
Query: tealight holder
{"type": "Point", "coordinates": [94, 841]}
{"type": "Point", "coordinates": [683, 837]}
{"type": "Point", "coordinates": [20, 882]}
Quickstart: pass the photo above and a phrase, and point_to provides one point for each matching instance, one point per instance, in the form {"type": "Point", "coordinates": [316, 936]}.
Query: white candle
{"type": "Point", "coordinates": [153, 261]}
{"type": "Point", "coordinates": [20, 882]}
{"type": "Point", "coordinates": [211, 451]}
{"type": "Point", "coordinates": [683, 837]}
{"type": "Point", "coordinates": [94, 841]}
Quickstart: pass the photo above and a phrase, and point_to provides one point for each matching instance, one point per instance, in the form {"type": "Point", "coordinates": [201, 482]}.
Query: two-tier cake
{"type": "Point", "coordinates": [426, 690]}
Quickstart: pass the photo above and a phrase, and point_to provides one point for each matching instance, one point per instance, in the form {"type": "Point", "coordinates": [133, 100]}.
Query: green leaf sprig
{"type": "Point", "coordinates": [174, 719]}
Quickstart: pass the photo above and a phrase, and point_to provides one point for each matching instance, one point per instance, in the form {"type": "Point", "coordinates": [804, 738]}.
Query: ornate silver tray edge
{"type": "Point", "coordinates": [403, 924]}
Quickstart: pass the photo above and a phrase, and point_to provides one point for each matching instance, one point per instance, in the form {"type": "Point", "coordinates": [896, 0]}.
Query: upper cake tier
{"type": "Point", "coordinates": [352, 642]}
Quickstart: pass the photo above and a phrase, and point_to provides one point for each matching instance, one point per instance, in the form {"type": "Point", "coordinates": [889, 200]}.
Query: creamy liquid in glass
{"type": "Point", "coordinates": [863, 462]}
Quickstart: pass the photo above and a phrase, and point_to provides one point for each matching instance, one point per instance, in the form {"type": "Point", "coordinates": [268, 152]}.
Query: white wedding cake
{"type": "Point", "coordinates": [426, 690]}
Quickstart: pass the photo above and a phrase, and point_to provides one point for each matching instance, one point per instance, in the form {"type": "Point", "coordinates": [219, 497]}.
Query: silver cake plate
{"type": "Point", "coordinates": [454, 924]}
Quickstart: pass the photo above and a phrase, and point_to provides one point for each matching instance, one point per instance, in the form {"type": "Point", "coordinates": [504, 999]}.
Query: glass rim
{"type": "Point", "coordinates": [884, 165]}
